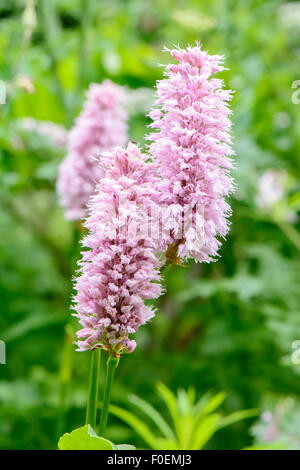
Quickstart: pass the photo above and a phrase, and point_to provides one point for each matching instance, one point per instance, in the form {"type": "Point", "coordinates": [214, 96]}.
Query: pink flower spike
{"type": "Point", "coordinates": [119, 270]}
{"type": "Point", "coordinates": [192, 147]}
{"type": "Point", "coordinates": [100, 127]}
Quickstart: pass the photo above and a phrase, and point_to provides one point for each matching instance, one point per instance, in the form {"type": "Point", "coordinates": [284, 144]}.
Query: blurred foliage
{"type": "Point", "coordinates": [279, 424]}
{"type": "Point", "coordinates": [193, 422]}
{"type": "Point", "coordinates": [224, 326]}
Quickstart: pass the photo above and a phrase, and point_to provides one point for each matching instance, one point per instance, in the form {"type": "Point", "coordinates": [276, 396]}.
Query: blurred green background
{"type": "Point", "coordinates": [228, 326]}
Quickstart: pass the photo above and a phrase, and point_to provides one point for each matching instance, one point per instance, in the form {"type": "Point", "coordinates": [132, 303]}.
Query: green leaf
{"type": "Point", "coordinates": [207, 405]}
{"type": "Point", "coordinates": [124, 447]}
{"type": "Point", "coordinates": [294, 201]}
{"type": "Point", "coordinates": [238, 416]}
{"type": "Point", "coordinates": [85, 438]}
{"type": "Point", "coordinates": [184, 405]}
{"type": "Point", "coordinates": [154, 415]}
{"type": "Point", "coordinates": [29, 324]}
{"type": "Point", "coordinates": [204, 431]}
{"type": "Point", "coordinates": [135, 423]}
{"type": "Point", "coordinates": [171, 402]}
{"type": "Point", "coordinates": [166, 444]}
{"type": "Point", "coordinates": [269, 446]}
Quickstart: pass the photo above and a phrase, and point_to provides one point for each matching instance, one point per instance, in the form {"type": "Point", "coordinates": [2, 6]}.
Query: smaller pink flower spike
{"type": "Point", "coordinates": [119, 270]}
{"type": "Point", "coordinates": [100, 127]}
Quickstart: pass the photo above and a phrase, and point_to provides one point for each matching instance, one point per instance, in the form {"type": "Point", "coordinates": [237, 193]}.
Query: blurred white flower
{"type": "Point", "coordinates": [266, 416]}
{"type": "Point", "coordinates": [282, 120]}
{"type": "Point", "coordinates": [138, 101]}
{"type": "Point", "coordinates": [289, 14]}
{"type": "Point", "coordinates": [271, 189]}
{"type": "Point", "coordinates": [56, 133]}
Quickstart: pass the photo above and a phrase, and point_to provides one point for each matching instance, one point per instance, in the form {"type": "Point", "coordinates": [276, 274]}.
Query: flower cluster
{"type": "Point", "coordinates": [120, 270]}
{"type": "Point", "coordinates": [100, 127]}
{"type": "Point", "coordinates": [192, 146]}
{"type": "Point", "coordinates": [188, 177]}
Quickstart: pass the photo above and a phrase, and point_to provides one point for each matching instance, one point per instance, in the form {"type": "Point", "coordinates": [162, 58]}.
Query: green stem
{"type": "Point", "coordinates": [287, 228]}
{"type": "Point", "coordinates": [165, 268]}
{"type": "Point", "coordinates": [65, 375]}
{"type": "Point", "coordinates": [290, 231]}
{"type": "Point", "coordinates": [84, 26]}
{"type": "Point", "coordinates": [48, 21]}
{"type": "Point", "coordinates": [111, 365]}
{"type": "Point", "coordinates": [91, 410]}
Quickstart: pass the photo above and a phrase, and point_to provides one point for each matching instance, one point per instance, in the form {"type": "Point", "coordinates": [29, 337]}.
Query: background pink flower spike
{"type": "Point", "coordinates": [100, 127]}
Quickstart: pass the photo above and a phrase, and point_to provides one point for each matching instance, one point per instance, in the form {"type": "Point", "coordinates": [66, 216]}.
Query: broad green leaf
{"type": "Point", "coordinates": [85, 438]}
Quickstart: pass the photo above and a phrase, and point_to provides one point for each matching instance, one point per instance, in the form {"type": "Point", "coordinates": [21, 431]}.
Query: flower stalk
{"type": "Point", "coordinates": [91, 410]}
{"type": "Point", "coordinates": [111, 365]}
{"type": "Point", "coordinates": [65, 376]}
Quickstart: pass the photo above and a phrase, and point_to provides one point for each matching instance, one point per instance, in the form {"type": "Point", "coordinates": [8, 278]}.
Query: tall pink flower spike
{"type": "Point", "coordinates": [100, 127]}
{"type": "Point", "coordinates": [192, 147]}
{"type": "Point", "coordinates": [119, 270]}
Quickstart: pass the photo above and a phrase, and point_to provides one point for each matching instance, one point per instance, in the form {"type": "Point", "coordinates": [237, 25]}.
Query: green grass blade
{"type": "Point", "coordinates": [183, 401]}
{"type": "Point", "coordinates": [135, 423]}
{"type": "Point", "coordinates": [238, 416]}
{"type": "Point", "coordinates": [171, 402]}
{"type": "Point", "coordinates": [204, 431]}
{"type": "Point", "coordinates": [156, 417]}
{"type": "Point", "coordinates": [207, 405]}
